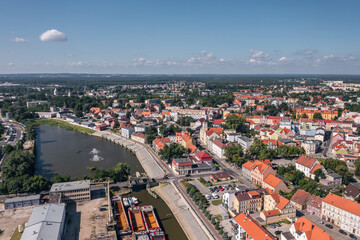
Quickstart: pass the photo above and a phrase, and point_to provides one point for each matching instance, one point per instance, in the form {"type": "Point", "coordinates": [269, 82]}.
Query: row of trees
{"type": "Point", "coordinates": [258, 150]}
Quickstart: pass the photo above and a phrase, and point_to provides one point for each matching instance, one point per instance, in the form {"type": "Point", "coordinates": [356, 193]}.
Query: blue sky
{"type": "Point", "coordinates": [239, 36]}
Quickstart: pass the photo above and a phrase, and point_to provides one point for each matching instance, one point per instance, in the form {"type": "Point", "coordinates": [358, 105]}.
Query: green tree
{"type": "Point", "coordinates": [235, 154]}
{"type": "Point", "coordinates": [235, 122]}
{"type": "Point", "coordinates": [172, 151]}
{"type": "Point", "coordinates": [317, 116]}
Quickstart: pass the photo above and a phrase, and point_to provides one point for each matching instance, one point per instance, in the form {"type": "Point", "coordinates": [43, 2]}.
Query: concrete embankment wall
{"type": "Point", "coordinates": [150, 165]}
{"type": "Point", "coordinates": [182, 212]}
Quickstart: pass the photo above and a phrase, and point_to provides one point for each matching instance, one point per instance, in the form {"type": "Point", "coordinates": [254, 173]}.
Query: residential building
{"type": "Point", "coordinates": [45, 222]}
{"type": "Point", "coordinates": [217, 147]}
{"type": "Point", "coordinates": [326, 114]}
{"type": "Point", "coordinates": [138, 137]}
{"type": "Point", "coordinates": [300, 199]}
{"type": "Point", "coordinates": [304, 229]}
{"type": "Point", "coordinates": [314, 206]}
{"type": "Point", "coordinates": [309, 146]}
{"type": "Point", "coordinates": [331, 180]}
{"type": "Point", "coordinates": [274, 183]}
{"type": "Point", "coordinates": [140, 128]}
{"type": "Point", "coordinates": [35, 103]}
{"type": "Point", "coordinates": [245, 142]}
{"type": "Point", "coordinates": [277, 208]}
{"type": "Point", "coordinates": [352, 191]}
{"type": "Point", "coordinates": [228, 201]}
{"type": "Point", "coordinates": [22, 201]}
{"type": "Point", "coordinates": [341, 212]}
{"type": "Point", "coordinates": [259, 171]}
{"type": "Point", "coordinates": [249, 229]}
{"type": "Point", "coordinates": [72, 191]}
{"type": "Point", "coordinates": [246, 169]}
{"type": "Point", "coordinates": [308, 166]}
{"type": "Point", "coordinates": [127, 131]}
{"type": "Point", "coordinates": [251, 201]}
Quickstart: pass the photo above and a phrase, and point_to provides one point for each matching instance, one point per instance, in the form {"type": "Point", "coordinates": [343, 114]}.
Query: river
{"type": "Point", "coordinates": [166, 218]}
{"type": "Point", "coordinates": [64, 152]}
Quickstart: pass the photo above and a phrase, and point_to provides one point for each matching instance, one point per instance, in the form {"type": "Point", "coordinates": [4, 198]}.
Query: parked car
{"type": "Point", "coordinates": [215, 196]}
{"type": "Point", "coordinates": [208, 197]}
{"type": "Point", "coordinates": [278, 232]}
{"type": "Point", "coordinates": [329, 226]}
{"type": "Point", "coordinates": [277, 225]}
{"type": "Point", "coordinates": [221, 189]}
{"type": "Point", "coordinates": [319, 221]}
{"type": "Point", "coordinates": [342, 232]}
{"type": "Point", "coordinates": [211, 189]}
{"type": "Point", "coordinates": [352, 236]}
{"type": "Point", "coordinates": [272, 226]}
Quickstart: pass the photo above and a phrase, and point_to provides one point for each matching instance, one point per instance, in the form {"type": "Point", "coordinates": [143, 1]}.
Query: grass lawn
{"type": "Point", "coordinates": [65, 125]}
{"type": "Point", "coordinates": [216, 202]}
{"type": "Point", "coordinates": [17, 235]}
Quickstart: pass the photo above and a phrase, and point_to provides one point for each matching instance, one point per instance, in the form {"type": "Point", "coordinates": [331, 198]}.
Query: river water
{"type": "Point", "coordinates": [166, 218]}
{"type": "Point", "coordinates": [64, 152]}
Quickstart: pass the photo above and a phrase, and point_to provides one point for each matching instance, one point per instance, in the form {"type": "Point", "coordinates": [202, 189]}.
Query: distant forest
{"type": "Point", "coordinates": [103, 80]}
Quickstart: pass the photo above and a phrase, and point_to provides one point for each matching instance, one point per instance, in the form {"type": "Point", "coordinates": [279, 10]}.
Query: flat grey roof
{"type": "Point", "coordinates": [70, 186]}
{"type": "Point", "coordinates": [23, 198]}
{"type": "Point", "coordinates": [45, 222]}
{"type": "Point", "coordinates": [47, 213]}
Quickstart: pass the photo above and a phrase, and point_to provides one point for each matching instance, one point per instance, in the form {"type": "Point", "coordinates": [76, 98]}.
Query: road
{"type": "Point", "coordinates": [19, 130]}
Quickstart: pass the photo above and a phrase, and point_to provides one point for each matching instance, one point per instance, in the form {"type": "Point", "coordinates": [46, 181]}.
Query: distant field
{"type": "Point", "coordinates": [65, 125]}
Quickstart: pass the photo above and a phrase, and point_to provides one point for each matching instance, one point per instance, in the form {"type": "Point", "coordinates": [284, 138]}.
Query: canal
{"type": "Point", "coordinates": [64, 152]}
{"type": "Point", "coordinates": [166, 218]}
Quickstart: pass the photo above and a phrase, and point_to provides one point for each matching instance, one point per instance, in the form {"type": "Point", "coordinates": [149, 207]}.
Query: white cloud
{"type": "Point", "coordinates": [19, 40]}
{"type": "Point", "coordinates": [11, 64]}
{"type": "Point", "coordinates": [283, 59]}
{"type": "Point", "coordinates": [259, 57]}
{"type": "Point", "coordinates": [53, 35]}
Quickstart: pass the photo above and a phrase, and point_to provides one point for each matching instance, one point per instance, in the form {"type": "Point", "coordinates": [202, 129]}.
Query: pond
{"type": "Point", "coordinates": [63, 152]}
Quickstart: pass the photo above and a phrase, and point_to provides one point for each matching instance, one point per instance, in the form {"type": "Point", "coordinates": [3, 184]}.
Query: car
{"type": "Point", "coordinates": [319, 221]}
{"type": "Point", "coordinates": [352, 236]}
{"type": "Point", "coordinates": [221, 189]}
{"type": "Point", "coordinates": [207, 197]}
{"type": "Point", "coordinates": [187, 175]}
{"type": "Point", "coordinates": [342, 232]}
{"type": "Point", "coordinates": [272, 226]}
{"type": "Point", "coordinates": [329, 226]}
{"type": "Point", "coordinates": [277, 225]}
{"type": "Point", "coordinates": [166, 177]}
{"type": "Point", "coordinates": [278, 232]}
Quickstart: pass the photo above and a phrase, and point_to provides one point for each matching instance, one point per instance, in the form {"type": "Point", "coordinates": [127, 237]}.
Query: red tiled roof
{"type": "Point", "coordinates": [248, 165]}
{"type": "Point", "coordinates": [306, 161]}
{"type": "Point", "coordinates": [316, 167]}
{"type": "Point", "coordinates": [271, 213]}
{"type": "Point", "coordinates": [301, 197]}
{"type": "Point", "coordinates": [343, 203]}
{"type": "Point", "coordinates": [272, 180]}
{"type": "Point", "coordinates": [252, 227]}
{"type": "Point", "coordinates": [282, 203]}
{"type": "Point", "coordinates": [203, 156]}
{"type": "Point", "coordinates": [311, 231]}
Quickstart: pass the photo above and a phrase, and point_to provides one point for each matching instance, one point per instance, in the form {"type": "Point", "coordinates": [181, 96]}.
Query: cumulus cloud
{"type": "Point", "coordinates": [283, 59]}
{"type": "Point", "coordinates": [19, 40]}
{"type": "Point", "coordinates": [259, 57]}
{"type": "Point", "coordinates": [53, 35]}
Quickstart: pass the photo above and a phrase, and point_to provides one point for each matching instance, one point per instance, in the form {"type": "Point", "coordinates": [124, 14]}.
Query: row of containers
{"type": "Point", "coordinates": [139, 222]}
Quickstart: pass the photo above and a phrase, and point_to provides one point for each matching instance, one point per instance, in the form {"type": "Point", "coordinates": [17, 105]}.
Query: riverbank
{"type": "Point", "coordinates": [147, 161]}
{"type": "Point", "coordinates": [65, 125]}
{"type": "Point", "coordinates": [181, 211]}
